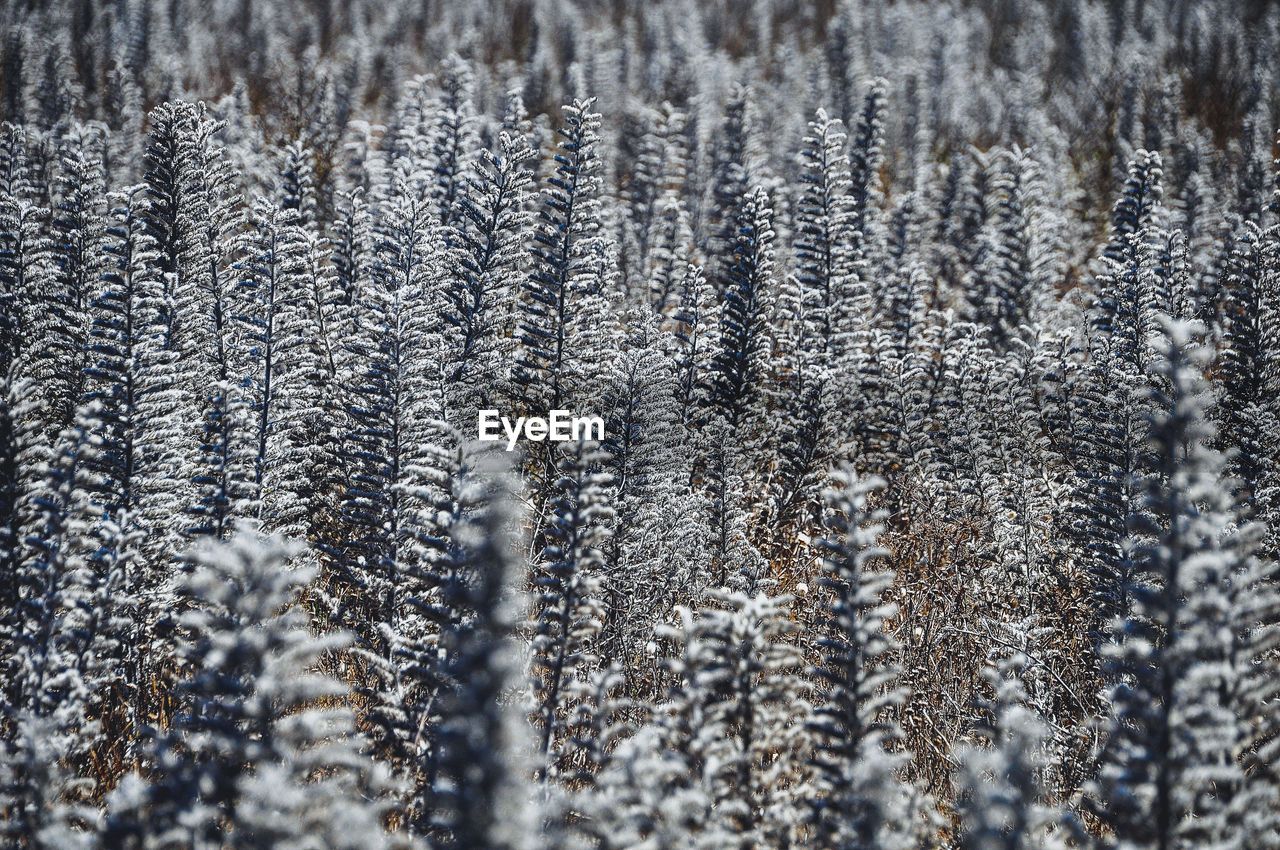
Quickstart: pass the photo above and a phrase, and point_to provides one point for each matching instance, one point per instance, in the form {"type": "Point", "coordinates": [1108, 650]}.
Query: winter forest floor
{"type": "Point", "coordinates": [937, 352]}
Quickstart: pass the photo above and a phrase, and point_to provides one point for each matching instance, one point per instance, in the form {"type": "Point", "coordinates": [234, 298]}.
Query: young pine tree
{"type": "Point", "coordinates": [452, 138]}
{"type": "Point", "coordinates": [281, 365]}
{"type": "Point", "coordinates": [1248, 427]}
{"type": "Point", "coordinates": [1168, 768]}
{"type": "Point", "coordinates": [855, 796]}
{"type": "Point", "coordinates": [548, 366]}
{"type": "Point", "coordinates": [490, 232]}
{"type": "Point", "coordinates": [741, 703]}
{"type": "Point", "coordinates": [1115, 395]}
{"type": "Point", "coordinates": [555, 355]}
{"type": "Point", "coordinates": [479, 796]}
{"type": "Point", "coordinates": [567, 611]}
{"type": "Point", "coordinates": [739, 375]}
{"type": "Point", "coordinates": [397, 401]}
{"type": "Point", "coordinates": [61, 304]}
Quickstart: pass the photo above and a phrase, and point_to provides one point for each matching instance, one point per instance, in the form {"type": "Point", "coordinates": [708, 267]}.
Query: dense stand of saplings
{"type": "Point", "coordinates": [938, 349]}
